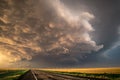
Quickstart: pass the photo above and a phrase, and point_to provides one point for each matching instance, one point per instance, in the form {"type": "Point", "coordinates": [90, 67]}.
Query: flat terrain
{"type": "Point", "coordinates": [61, 74]}
{"type": "Point", "coordinates": [46, 75]}
{"type": "Point", "coordinates": [87, 70]}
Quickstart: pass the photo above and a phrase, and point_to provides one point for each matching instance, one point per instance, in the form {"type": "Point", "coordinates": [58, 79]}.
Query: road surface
{"type": "Point", "coordinates": [42, 75]}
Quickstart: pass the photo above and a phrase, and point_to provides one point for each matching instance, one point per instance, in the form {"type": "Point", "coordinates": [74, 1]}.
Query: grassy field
{"type": "Point", "coordinates": [102, 73]}
{"type": "Point", "coordinates": [11, 74]}
{"type": "Point", "coordinates": [88, 70]}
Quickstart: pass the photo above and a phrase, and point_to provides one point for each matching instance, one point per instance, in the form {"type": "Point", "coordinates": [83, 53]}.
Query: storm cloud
{"type": "Point", "coordinates": [55, 33]}
{"type": "Point", "coordinates": [47, 28]}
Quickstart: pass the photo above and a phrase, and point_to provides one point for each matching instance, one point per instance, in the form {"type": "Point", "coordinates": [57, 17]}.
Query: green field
{"type": "Point", "coordinates": [11, 74]}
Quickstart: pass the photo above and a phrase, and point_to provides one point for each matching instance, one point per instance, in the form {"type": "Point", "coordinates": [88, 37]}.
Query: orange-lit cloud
{"type": "Point", "coordinates": [29, 30]}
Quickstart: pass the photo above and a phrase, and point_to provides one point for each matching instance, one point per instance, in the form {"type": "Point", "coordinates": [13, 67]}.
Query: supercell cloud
{"type": "Point", "coordinates": [44, 29]}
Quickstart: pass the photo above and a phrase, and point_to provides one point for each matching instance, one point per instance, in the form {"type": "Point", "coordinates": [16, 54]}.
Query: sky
{"type": "Point", "coordinates": [59, 33]}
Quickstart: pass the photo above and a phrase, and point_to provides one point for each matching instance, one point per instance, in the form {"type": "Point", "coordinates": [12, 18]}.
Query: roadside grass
{"type": "Point", "coordinates": [11, 74]}
{"type": "Point", "coordinates": [92, 75]}
{"type": "Point", "coordinates": [105, 73]}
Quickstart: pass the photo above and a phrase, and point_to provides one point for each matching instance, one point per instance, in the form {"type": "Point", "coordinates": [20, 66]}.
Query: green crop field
{"type": "Point", "coordinates": [11, 74]}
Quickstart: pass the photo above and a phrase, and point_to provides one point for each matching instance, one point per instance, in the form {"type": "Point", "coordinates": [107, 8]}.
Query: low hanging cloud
{"type": "Point", "coordinates": [40, 27]}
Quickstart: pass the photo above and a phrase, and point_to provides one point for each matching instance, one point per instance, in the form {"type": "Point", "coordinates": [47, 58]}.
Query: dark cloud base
{"type": "Point", "coordinates": [43, 32]}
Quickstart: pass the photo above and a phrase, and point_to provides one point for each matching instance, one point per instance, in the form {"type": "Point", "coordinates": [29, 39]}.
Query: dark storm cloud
{"type": "Point", "coordinates": [49, 33]}
{"type": "Point", "coordinates": [106, 25]}
{"type": "Point", "coordinates": [45, 28]}
{"type": "Point", "coordinates": [107, 17]}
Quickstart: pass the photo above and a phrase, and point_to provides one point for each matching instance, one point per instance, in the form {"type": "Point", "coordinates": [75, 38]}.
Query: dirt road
{"type": "Point", "coordinates": [42, 75]}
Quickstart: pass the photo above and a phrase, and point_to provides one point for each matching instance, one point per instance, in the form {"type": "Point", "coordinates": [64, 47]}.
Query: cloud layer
{"type": "Point", "coordinates": [44, 28]}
